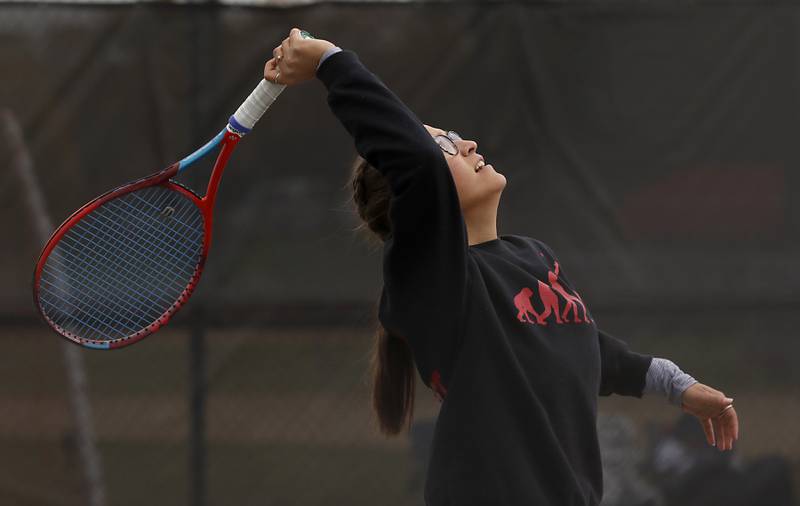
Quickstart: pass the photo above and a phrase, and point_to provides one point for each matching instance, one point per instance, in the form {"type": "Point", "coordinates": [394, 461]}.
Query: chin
{"type": "Point", "coordinates": [490, 193]}
{"type": "Point", "coordinates": [501, 181]}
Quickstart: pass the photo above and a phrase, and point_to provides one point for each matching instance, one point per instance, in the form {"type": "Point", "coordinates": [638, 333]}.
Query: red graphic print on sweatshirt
{"type": "Point", "coordinates": [548, 298]}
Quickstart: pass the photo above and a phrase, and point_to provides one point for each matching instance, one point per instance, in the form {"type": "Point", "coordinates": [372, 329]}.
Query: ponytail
{"type": "Point", "coordinates": [391, 361]}
{"type": "Point", "coordinates": [393, 382]}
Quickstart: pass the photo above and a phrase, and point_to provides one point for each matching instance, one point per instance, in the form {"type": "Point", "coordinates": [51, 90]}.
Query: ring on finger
{"type": "Point", "coordinates": [277, 75]}
{"type": "Point", "coordinates": [729, 406]}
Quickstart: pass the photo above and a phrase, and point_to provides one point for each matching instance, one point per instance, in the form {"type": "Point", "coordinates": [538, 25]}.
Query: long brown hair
{"type": "Point", "coordinates": [391, 360]}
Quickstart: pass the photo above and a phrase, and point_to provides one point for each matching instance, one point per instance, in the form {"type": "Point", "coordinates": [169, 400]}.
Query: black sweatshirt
{"type": "Point", "coordinates": [497, 329]}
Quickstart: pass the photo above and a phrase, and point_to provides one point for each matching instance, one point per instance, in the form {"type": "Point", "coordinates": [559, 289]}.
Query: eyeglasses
{"type": "Point", "coordinates": [448, 142]}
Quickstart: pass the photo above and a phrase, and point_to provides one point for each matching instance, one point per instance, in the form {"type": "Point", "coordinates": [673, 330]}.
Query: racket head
{"type": "Point", "coordinates": [120, 266]}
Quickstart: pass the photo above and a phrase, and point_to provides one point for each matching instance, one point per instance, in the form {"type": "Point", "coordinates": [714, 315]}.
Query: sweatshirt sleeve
{"type": "Point", "coordinates": [425, 258]}
{"type": "Point", "coordinates": [623, 372]}
{"type": "Point", "coordinates": [664, 377]}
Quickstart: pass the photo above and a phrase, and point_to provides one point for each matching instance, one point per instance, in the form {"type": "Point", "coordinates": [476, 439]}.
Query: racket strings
{"type": "Point", "coordinates": [127, 262]}
{"type": "Point", "coordinates": [87, 278]}
{"type": "Point", "coordinates": [96, 231]}
{"type": "Point", "coordinates": [122, 266]}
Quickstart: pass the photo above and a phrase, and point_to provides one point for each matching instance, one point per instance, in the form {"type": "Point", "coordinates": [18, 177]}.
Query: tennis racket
{"type": "Point", "coordinates": [120, 266]}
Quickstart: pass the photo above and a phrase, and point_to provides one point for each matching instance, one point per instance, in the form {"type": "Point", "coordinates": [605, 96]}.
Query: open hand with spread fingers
{"type": "Point", "coordinates": [296, 59]}
{"type": "Point", "coordinates": [715, 412]}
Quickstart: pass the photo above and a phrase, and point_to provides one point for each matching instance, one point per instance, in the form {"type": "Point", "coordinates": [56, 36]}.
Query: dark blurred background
{"type": "Point", "coordinates": [654, 146]}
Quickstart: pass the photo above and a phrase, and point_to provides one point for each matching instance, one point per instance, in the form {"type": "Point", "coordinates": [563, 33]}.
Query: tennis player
{"type": "Point", "coordinates": [493, 324]}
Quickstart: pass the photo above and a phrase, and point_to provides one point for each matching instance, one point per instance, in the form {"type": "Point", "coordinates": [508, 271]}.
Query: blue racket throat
{"type": "Point", "coordinates": [203, 151]}
{"type": "Point", "coordinates": [233, 127]}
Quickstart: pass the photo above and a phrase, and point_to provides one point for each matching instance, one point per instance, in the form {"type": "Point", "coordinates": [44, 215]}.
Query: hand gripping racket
{"type": "Point", "coordinates": [120, 266]}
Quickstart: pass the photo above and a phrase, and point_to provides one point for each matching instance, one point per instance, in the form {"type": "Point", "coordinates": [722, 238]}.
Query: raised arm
{"type": "Point", "coordinates": [425, 257]}
{"type": "Point", "coordinates": [386, 132]}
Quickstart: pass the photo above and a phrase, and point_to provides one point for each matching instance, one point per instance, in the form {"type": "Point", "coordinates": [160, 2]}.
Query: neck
{"type": "Point", "coordinates": [481, 224]}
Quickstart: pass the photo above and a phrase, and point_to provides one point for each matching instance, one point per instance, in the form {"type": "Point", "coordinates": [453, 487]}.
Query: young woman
{"type": "Point", "coordinates": [493, 323]}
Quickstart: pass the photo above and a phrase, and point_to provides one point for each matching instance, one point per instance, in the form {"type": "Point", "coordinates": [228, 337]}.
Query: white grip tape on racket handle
{"type": "Point", "coordinates": [255, 105]}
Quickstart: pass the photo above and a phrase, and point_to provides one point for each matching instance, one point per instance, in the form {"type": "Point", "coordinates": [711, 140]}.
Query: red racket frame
{"type": "Point", "coordinates": [162, 178]}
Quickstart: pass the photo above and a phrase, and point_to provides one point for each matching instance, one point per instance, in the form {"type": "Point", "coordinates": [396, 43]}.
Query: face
{"type": "Point", "coordinates": [477, 184]}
